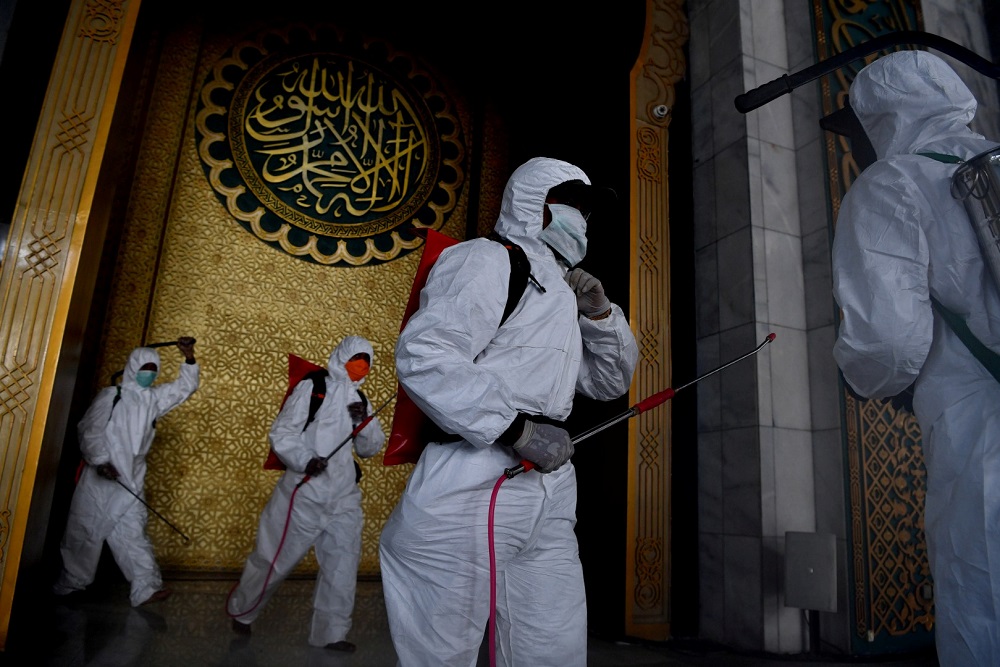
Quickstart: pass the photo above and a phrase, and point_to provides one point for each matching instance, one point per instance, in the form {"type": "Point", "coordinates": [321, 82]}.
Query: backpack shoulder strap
{"type": "Point", "coordinates": [118, 397]}
{"type": "Point", "coordinates": [318, 378]}
{"type": "Point", "coordinates": [987, 357]}
{"type": "Point", "coordinates": [942, 157]}
{"type": "Point", "coordinates": [520, 273]}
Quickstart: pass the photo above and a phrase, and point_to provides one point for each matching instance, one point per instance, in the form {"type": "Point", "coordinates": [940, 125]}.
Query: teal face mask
{"type": "Point", "coordinates": [145, 378]}
{"type": "Point", "coordinates": [567, 233]}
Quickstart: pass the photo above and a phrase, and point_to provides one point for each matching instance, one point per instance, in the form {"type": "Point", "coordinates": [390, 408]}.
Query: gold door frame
{"type": "Point", "coordinates": [55, 221]}
{"type": "Point", "coordinates": [659, 67]}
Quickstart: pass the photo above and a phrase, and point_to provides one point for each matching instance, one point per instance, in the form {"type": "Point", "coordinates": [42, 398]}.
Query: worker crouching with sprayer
{"type": "Point", "coordinates": [317, 502]}
{"type": "Point", "coordinates": [499, 392]}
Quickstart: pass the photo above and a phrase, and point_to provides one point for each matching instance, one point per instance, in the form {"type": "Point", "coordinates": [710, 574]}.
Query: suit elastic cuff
{"type": "Point", "coordinates": [513, 432]}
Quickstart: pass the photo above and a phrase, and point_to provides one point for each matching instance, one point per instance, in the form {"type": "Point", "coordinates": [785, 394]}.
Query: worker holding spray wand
{"type": "Point", "coordinates": [499, 388]}
{"type": "Point", "coordinates": [317, 502]}
{"type": "Point", "coordinates": [642, 406]}
{"type": "Point", "coordinates": [115, 435]}
{"type": "Point", "coordinates": [645, 404]}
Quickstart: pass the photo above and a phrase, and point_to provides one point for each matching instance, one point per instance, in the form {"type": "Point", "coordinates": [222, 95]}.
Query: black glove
{"type": "Point", "coordinates": [357, 411]}
{"type": "Point", "coordinates": [107, 471]}
{"type": "Point", "coordinates": [316, 466]}
{"type": "Point", "coordinates": [545, 445]}
{"type": "Point", "coordinates": [590, 298]}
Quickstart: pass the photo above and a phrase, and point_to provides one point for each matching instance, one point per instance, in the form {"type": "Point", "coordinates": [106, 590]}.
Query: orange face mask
{"type": "Point", "coordinates": [357, 369]}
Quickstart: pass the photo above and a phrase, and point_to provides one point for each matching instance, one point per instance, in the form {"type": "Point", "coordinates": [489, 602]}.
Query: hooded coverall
{"type": "Point", "coordinates": [325, 511]}
{"type": "Point", "coordinates": [900, 239]}
{"type": "Point", "coordinates": [101, 510]}
{"type": "Point", "coordinates": [472, 377]}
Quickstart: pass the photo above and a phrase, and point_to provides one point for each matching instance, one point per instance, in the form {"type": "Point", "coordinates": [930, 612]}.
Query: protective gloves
{"type": "Point", "coordinates": [107, 471]}
{"type": "Point", "coordinates": [590, 298]}
{"type": "Point", "coordinates": [545, 445]}
{"type": "Point", "coordinates": [315, 466]}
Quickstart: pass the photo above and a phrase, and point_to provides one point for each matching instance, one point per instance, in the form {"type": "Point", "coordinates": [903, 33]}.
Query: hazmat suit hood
{"type": "Point", "coordinates": [908, 99]}
{"type": "Point", "coordinates": [347, 348]}
{"type": "Point", "coordinates": [138, 358]}
{"type": "Point", "coordinates": [522, 208]}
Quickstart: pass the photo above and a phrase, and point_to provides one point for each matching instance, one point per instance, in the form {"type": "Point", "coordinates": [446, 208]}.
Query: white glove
{"type": "Point", "coordinates": [545, 445]}
{"type": "Point", "coordinates": [590, 298]}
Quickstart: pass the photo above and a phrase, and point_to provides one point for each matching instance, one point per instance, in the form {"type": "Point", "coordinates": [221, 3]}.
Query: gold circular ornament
{"type": "Point", "coordinates": [330, 151]}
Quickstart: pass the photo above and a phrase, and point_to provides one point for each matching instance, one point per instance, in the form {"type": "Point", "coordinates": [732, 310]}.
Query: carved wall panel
{"type": "Point", "coordinates": [660, 65]}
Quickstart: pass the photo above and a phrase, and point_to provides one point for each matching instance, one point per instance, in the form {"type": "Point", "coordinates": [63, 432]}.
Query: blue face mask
{"type": "Point", "coordinates": [567, 233]}
{"type": "Point", "coordinates": [145, 378]}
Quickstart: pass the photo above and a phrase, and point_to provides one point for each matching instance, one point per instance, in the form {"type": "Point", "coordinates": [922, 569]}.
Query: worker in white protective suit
{"type": "Point", "coordinates": [502, 390]}
{"type": "Point", "coordinates": [115, 435]}
{"type": "Point", "coordinates": [316, 502]}
{"type": "Point", "coordinates": [901, 240]}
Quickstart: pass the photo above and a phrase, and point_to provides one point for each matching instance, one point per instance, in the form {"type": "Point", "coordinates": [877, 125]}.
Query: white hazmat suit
{"type": "Point", "coordinates": [900, 239]}
{"type": "Point", "coordinates": [472, 377]}
{"type": "Point", "coordinates": [119, 433]}
{"type": "Point", "coordinates": [324, 513]}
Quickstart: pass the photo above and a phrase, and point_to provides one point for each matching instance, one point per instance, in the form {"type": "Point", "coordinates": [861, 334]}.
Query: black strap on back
{"type": "Point", "coordinates": [520, 272]}
{"type": "Point", "coordinates": [318, 378]}
{"type": "Point", "coordinates": [118, 397]}
{"type": "Point", "coordinates": [987, 357]}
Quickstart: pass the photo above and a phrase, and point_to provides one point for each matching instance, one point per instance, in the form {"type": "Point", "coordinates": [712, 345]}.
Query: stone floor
{"type": "Point", "coordinates": [191, 629]}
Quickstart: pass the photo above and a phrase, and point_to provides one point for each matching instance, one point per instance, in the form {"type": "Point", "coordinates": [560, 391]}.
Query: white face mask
{"type": "Point", "coordinates": [567, 233]}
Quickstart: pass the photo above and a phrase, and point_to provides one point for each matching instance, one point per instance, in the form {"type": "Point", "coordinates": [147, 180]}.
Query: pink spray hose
{"type": "Point", "coordinates": [291, 503]}
{"type": "Point", "coordinates": [525, 465]}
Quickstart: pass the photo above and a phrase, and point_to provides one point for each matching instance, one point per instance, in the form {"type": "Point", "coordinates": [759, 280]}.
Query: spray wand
{"type": "Point", "coordinates": [353, 434]}
{"type": "Point", "coordinates": [151, 509]}
{"type": "Point", "coordinates": [642, 406]}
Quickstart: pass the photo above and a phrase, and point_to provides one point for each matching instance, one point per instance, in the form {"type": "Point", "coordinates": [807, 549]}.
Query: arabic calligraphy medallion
{"type": "Point", "coordinates": [329, 153]}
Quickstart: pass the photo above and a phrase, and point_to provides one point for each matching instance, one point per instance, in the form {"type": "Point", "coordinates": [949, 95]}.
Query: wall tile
{"type": "Point", "coordinates": [711, 587]}
{"type": "Point", "coordinates": [811, 177]}
{"type": "Point", "coordinates": [767, 18]}
{"type": "Point", "coordinates": [700, 66]}
{"type": "Point", "coordinates": [702, 133]}
{"type": "Point", "coordinates": [768, 493]}
{"type": "Point", "coordinates": [780, 189]}
{"type": "Point", "coordinates": [824, 379]}
{"type": "Point", "coordinates": [703, 187]}
{"type": "Point", "coordinates": [706, 273]}
{"type": "Point", "coordinates": [771, 589]}
{"type": "Point", "coordinates": [741, 482]}
{"type": "Point", "coordinates": [799, 35]}
{"type": "Point", "coordinates": [729, 125]}
{"type": "Point", "coordinates": [739, 381]}
{"type": "Point", "coordinates": [709, 396]}
{"type": "Point", "coordinates": [818, 279]}
{"type": "Point", "coordinates": [830, 475]}
{"type": "Point", "coordinates": [795, 490]}
{"type": "Point", "coordinates": [785, 296]}
{"type": "Point", "coordinates": [736, 305]}
{"type": "Point", "coordinates": [774, 119]}
{"type": "Point", "coordinates": [743, 621]}
{"type": "Point", "coordinates": [710, 482]}
{"type": "Point", "coordinates": [790, 383]}
{"type": "Point", "coordinates": [724, 31]}
{"type": "Point", "coordinates": [732, 201]}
